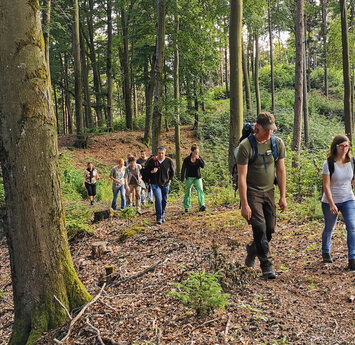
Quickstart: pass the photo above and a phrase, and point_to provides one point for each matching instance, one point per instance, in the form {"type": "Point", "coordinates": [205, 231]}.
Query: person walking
{"type": "Point", "coordinates": [118, 184]}
{"type": "Point", "coordinates": [256, 188]}
{"type": "Point", "coordinates": [162, 172]}
{"type": "Point", "coordinates": [91, 176]}
{"type": "Point", "coordinates": [134, 182]}
{"type": "Point", "coordinates": [338, 196]}
{"type": "Point", "coordinates": [191, 174]}
{"type": "Point", "coordinates": [142, 160]}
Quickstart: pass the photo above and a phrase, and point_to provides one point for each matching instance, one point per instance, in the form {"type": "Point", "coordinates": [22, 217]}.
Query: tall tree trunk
{"type": "Point", "coordinates": [149, 88]}
{"type": "Point", "coordinates": [95, 69]}
{"type": "Point", "coordinates": [46, 20]}
{"type": "Point", "coordinates": [63, 95]}
{"type": "Point", "coordinates": [298, 107]}
{"type": "Point", "coordinates": [177, 92]}
{"type": "Point", "coordinates": [226, 62]}
{"type": "Point", "coordinates": [67, 97]}
{"type": "Point", "coordinates": [79, 115]}
{"type": "Point", "coordinates": [195, 126]}
{"type": "Point", "coordinates": [256, 76]}
{"type": "Point", "coordinates": [246, 82]}
{"type": "Point", "coordinates": [109, 79]}
{"type": "Point", "coordinates": [305, 95]}
{"type": "Point", "coordinates": [236, 78]}
{"type": "Point", "coordinates": [272, 86]}
{"type": "Point", "coordinates": [56, 107]}
{"type": "Point", "coordinates": [158, 80]}
{"type": "Point", "coordinates": [85, 74]}
{"type": "Point", "coordinates": [41, 264]}
{"type": "Point", "coordinates": [126, 74]}
{"type": "Point", "coordinates": [346, 70]}
{"type": "Point", "coordinates": [324, 37]}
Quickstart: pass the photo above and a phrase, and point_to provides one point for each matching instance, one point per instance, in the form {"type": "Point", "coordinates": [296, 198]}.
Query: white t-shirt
{"type": "Point", "coordinates": [340, 182]}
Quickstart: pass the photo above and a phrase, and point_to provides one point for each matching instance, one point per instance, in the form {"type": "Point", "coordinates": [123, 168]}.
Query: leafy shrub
{"type": "Point", "coordinates": [219, 92]}
{"type": "Point", "coordinates": [77, 220]}
{"type": "Point", "coordinates": [335, 78]}
{"type": "Point", "coordinates": [284, 76]}
{"type": "Point", "coordinates": [327, 106]}
{"type": "Point", "coordinates": [200, 291]}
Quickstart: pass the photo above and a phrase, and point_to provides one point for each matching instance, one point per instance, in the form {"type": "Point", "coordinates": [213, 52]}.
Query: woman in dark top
{"type": "Point", "coordinates": [89, 181]}
{"type": "Point", "coordinates": [191, 174]}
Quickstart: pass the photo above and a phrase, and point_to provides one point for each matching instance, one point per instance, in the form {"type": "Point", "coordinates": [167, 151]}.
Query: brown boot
{"type": "Point", "coordinates": [251, 255]}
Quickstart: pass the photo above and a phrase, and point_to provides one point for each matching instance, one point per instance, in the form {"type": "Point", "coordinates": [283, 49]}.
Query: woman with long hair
{"type": "Point", "coordinates": [338, 196]}
{"type": "Point", "coordinates": [91, 176]}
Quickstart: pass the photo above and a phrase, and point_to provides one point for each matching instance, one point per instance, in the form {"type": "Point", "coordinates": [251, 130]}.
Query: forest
{"type": "Point", "coordinates": [94, 81]}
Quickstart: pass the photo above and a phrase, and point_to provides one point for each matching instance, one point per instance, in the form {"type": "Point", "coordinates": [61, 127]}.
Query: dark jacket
{"type": "Point", "coordinates": [165, 171]}
{"type": "Point", "coordinates": [190, 169]}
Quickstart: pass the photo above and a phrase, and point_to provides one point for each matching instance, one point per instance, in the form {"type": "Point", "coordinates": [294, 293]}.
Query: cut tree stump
{"type": "Point", "coordinates": [101, 215]}
{"type": "Point", "coordinates": [98, 249]}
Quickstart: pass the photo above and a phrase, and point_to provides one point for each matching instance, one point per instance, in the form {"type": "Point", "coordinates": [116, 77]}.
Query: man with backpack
{"type": "Point", "coordinates": [260, 157]}
{"type": "Point", "coordinates": [161, 169]}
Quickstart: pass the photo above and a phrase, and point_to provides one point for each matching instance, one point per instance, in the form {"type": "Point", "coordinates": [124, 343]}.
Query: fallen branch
{"type": "Point", "coordinates": [203, 324]}
{"type": "Point", "coordinates": [63, 306]}
{"type": "Point", "coordinates": [82, 311]}
{"type": "Point", "coordinates": [139, 274]}
{"type": "Point", "coordinates": [96, 330]}
{"type": "Point", "coordinates": [227, 329]}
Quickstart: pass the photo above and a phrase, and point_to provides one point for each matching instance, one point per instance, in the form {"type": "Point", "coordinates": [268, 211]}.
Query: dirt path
{"type": "Point", "coordinates": [309, 302]}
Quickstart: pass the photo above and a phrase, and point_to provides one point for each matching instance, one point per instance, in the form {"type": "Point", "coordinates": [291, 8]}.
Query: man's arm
{"type": "Point", "coordinates": [281, 181]}
{"type": "Point", "coordinates": [242, 186]}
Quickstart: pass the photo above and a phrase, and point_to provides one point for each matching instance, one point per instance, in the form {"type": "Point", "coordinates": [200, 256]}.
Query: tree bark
{"type": "Point", "coordinates": [109, 81]}
{"type": "Point", "coordinates": [85, 72]}
{"type": "Point", "coordinates": [126, 74]}
{"type": "Point", "coordinates": [299, 66]}
{"type": "Point", "coordinates": [324, 37]}
{"type": "Point", "coordinates": [79, 114]}
{"type": "Point", "coordinates": [177, 92]}
{"type": "Point", "coordinates": [34, 224]}
{"type": "Point", "coordinates": [46, 22]}
{"type": "Point", "coordinates": [236, 78]}
{"type": "Point", "coordinates": [149, 88]}
{"type": "Point", "coordinates": [305, 95]}
{"type": "Point", "coordinates": [158, 79]}
{"type": "Point", "coordinates": [256, 75]}
{"type": "Point", "coordinates": [272, 85]}
{"type": "Point", "coordinates": [95, 70]}
{"type": "Point", "coordinates": [246, 82]}
{"type": "Point", "coordinates": [67, 97]}
{"type": "Point", "coordinates": [346, 70]}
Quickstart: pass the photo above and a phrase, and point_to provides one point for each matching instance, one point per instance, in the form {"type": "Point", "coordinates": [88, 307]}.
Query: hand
{"type": "Point", "coordinates": [127, 189]}
{"type": "Point", "coordinates": [169, 181]}
{"type": "Point", "coordinates": [246, 212]}
{"type": "Point", "coordinates": [83, 185]}
{"type": "Point", "coordinates": [282, 204]}
{"type": "Point", "coordinates": [334, 209]}
{"type": "Point", "coordinates": [154, 170]}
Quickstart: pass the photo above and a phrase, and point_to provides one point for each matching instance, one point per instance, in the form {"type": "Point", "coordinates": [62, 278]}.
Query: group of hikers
{"type": "Point", "coordinates": [260, 165]}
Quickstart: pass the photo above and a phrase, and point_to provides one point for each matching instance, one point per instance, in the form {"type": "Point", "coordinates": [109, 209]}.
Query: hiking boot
{"type": "Point", "coordinates": [327, 258]}
{"type": "Point", "coordinates": [163, 218]}
{"type": "Point", "coordinates": [202, 208]}
{"type": "Point", "coordinates": [251, 254]}
{"type": "Point", "coordinates": [92, 202]}
{"type": "Point", "coordinates": [150, 202]}
{"type": "Point", "coordinates": [352, 265]}
{"type": "Point", "coordinates": [186, 210]}
{"type": "Point", "coordinates": [139, 211]}
{"type": "Point", "coordinates": [269, 275]}
{"type": "Point", "coordinates": [159, 222]}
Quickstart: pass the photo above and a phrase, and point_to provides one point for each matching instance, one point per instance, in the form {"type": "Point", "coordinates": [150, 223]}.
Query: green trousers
{"type": "Point", "coordinates": [197, 182]}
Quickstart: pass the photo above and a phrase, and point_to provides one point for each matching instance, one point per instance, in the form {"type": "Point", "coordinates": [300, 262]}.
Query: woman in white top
{"type": "Point", "coordinates": [338, 173]}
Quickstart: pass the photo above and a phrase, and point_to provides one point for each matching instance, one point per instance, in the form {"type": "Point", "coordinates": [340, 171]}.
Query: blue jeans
{"type": "Point", "coordinates": [161, 199]}
{"type": "Point", "coordinates": [347, 209]}
{"type": "Point", "coordinates": [115, 196]}
{"type": "Point", "coordinates": [150, 196]}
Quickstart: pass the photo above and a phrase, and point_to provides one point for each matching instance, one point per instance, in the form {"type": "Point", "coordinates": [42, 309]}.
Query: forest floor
{"type": "Point", "coordinates": [308, 303]}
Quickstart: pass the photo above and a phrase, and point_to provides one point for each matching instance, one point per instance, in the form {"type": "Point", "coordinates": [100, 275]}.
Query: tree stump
{"type": "Point", "coordinates": [101, 215]}
{"type": "Point", "coordinates": [98, 249]}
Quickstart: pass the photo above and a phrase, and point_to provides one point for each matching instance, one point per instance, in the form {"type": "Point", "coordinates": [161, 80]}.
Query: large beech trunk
{"type": "Point", "coordinates": [41, 264]}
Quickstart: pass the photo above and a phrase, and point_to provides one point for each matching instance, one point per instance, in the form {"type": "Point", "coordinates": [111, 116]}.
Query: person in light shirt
{"type": "Point", "coordinates": [338, 196]}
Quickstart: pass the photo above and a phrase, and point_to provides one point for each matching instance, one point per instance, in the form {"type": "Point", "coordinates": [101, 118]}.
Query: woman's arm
{"type": "Point", "coordinates": [84, 179]}
{"type": "Point", "coordinates": [328, 193]}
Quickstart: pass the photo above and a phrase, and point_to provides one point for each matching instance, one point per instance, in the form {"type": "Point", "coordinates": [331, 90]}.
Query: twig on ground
{"type": "Point", "coordinates": [139, 274]}
{"type": "Point", "coordinates": [63, 306]}
{"type": "Point", "coordinates": [203, 324]}
{"type": "Point", "coordinates": [96, 330]}
{"type": "Point", "coordinates": [73, 321]}
{"type": "Point", "coordinates": [227, 329]}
